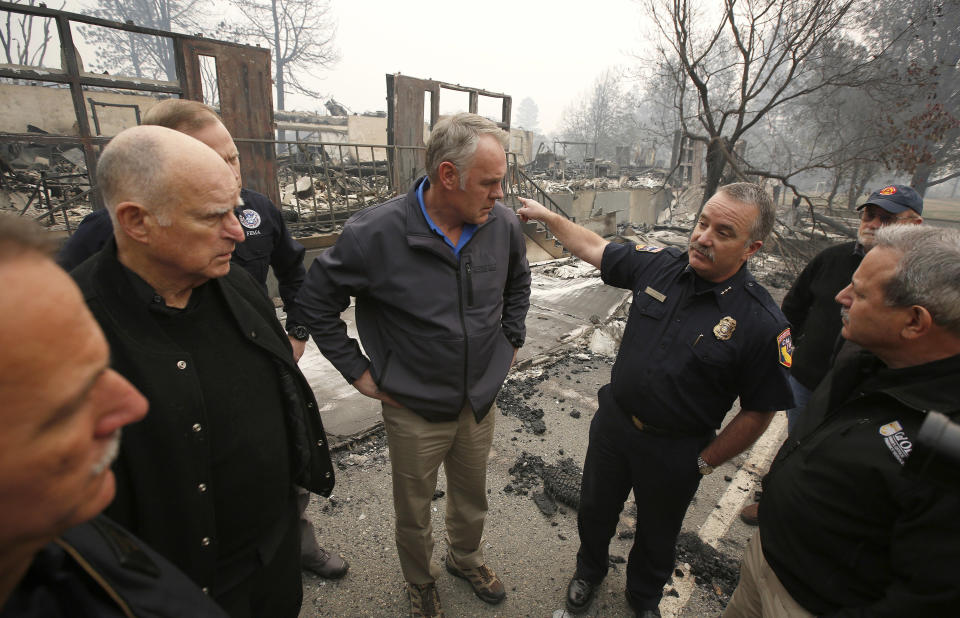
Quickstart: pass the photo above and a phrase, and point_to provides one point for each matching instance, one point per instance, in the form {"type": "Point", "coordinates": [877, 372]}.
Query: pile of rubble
{"type": "Point", "coordinates": [328, 195]}
{"type": "Point", "coordinates": [648, 179]}
{"type": "Point", "coordinates": [56, 202]}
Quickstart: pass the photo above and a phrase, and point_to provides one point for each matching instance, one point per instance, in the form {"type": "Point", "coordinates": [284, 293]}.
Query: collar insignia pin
{"type": "Point", "coordinates": [724, 328]}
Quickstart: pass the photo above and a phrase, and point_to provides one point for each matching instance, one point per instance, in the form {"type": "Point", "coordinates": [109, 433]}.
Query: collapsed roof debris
{"type": "Point", "coordinates": [47, 182]}
{"type": "Point", "coordinates": [650, 179]}
{"type": "Point", "coordinates": [318, 194]}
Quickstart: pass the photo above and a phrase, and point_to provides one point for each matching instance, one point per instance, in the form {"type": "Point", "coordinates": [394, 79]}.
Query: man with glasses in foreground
{"type": "Point", "coordinates": [810, 305]}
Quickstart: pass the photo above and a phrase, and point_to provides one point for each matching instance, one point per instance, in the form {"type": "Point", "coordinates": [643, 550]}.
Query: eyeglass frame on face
{"type": "Point", "coordinates": [871, 211]}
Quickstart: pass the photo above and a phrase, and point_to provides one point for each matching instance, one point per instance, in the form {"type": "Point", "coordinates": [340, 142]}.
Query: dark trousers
{"type": "Point", "coordinates": [274, 588]}
{"type": "Point", "coordinates": [663, 473]}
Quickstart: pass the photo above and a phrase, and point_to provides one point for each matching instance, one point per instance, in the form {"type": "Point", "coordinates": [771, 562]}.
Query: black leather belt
{"type": "Point", "coordinates": [657, 431]}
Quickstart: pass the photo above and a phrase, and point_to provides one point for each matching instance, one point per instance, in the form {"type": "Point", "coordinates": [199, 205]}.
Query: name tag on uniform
{"type": "Point", "coordinates": [658, 295]}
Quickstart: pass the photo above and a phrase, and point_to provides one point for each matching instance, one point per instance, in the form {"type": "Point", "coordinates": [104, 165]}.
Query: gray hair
{"type": "Point", "coordinates": [754, 195]}
{"type": "Point", "coordinates": [20, 237]}
{"type": "Point", "coordinates": [928, 274]}
{"type": "Point", "coordinates": [134, 167]}
{"type": "Point", "coordinates": [455, 139]}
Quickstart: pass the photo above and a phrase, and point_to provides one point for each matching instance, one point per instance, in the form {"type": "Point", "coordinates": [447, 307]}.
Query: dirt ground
{"type": "Point", "coordinates": [543, 420]}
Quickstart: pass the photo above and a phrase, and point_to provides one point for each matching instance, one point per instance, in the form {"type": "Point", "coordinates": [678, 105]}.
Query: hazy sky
{"type": "Point", "coordinates": [550, 51]}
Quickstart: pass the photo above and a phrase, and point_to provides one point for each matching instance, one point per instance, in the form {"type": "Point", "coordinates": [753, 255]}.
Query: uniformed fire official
{"type": "Point", "coordinates": [701, 333]}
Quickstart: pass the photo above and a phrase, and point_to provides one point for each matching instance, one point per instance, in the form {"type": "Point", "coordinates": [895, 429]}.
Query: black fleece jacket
{"type": "Point", "coordinates": [846, 530]}
{"type": "Point", "coordinates": [814, 314]}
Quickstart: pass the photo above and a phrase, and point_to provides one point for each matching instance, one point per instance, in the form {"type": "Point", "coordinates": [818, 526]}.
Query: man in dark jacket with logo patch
{"type": "Point", "coordinates": [701, 334]}
{"type": "Point", "coordinates": [844, 530]}
{"type": "Point", "coordinates": [208, 478]}
{"type": "Point", "coordinates": [442, 286]}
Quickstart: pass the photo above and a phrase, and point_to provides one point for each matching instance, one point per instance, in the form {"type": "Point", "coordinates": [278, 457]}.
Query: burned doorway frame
{"type": "Point", "coordinates": [406, 115]}
{"type": "Point", "coordinates": [246, 95]}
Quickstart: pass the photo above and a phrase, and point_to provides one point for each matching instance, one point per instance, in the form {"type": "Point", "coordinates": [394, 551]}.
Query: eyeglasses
{"type": "Point", "coordinates": [885, 218]}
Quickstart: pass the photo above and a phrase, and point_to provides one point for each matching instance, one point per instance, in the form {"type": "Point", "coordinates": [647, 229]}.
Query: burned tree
{"type": "Point", "coordinates": [299, 33]}
{"type": "Point", "coordinates": [603, 116]}
{"type": "Point", "coordinates": [923, 112]}
{"type": "Point", "coordinates": [736, 67]}
{"type": "Point", "coordinates": [135, 54]}
{"type": "Point", "coordinates": [527, 115]}
{"type": "Point", "coordinates": [24, 38]}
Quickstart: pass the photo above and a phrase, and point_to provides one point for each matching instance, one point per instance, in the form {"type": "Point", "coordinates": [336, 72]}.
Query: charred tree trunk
{"type": "Point", "coordinates": [717, 152]}
{"type": "Point", "coordinates": [920, 178]}
{"type": "Point", "coordinates": [835, 188]}
{"type": "Point", "coordinates": [858, 182]}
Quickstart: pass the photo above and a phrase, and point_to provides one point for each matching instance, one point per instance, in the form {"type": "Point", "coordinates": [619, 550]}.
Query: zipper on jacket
{"type": "Point", "coordinates": [466, 341]}
{"type": "Point", "coordinates": [468, 267]}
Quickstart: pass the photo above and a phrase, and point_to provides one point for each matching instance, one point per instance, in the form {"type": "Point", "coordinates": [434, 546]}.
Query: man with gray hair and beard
{"type": "Point", "coordinates": [208, 477]}
{"type": "Point", "coordinates": [62, 411]}
{"type": "Point", "coordinates": [442, 286]}
{"type": "Point", "coordinates": [810, 305]}
{"type": "Point", "coordinates": [843, 529]}
{"type": "Point", "coordinates": [701, 333]}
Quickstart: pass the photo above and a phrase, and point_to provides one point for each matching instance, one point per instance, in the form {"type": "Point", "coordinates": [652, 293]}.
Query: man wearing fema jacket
{"type": "Point", "coordinates": [442, 288]}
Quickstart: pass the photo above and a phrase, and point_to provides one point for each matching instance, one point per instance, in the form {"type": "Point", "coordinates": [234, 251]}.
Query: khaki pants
{"type": "Point", "coordinates": [417, 448]}
{"type": "Point", "coordinates": [759, 592]}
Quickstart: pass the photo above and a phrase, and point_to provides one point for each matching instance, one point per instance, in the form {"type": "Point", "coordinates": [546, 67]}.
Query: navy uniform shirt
{"type": "Point", "coordinates": [673, 370]}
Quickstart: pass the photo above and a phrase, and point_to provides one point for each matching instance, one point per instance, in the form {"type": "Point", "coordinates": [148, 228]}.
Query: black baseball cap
{"type": "Point", "coordinates": [895, 199]}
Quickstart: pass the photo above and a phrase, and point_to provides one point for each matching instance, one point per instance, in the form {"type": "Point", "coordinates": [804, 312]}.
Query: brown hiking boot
{"type": "Point", "coordinates": [325, 564]}
{"type": "Point", "coordinates": [424, 601]}
{"type": "Point", "coordinates": [483, 580]}
{"type": "Point", "coordinates": [750, 514]}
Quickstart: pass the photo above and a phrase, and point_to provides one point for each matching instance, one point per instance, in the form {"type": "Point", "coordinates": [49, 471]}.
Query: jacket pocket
{"type": "Point", "coordinates": [421, 368]}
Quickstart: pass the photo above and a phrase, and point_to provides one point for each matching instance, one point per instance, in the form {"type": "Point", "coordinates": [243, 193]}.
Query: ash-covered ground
{"type": "Point", "coordinates": [531, 533]}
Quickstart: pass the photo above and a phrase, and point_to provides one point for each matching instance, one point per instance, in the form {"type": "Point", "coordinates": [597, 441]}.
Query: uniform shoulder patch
{"type": "Point", "coordinates": [250, 219]}
{"type": "Point", "coordinates": [785, 348]}
{"type": "Point", "coordinates": [649, 248]}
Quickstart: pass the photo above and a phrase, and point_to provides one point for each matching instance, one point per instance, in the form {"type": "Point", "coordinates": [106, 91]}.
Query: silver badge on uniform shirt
{"type": "Point", "coordinates": [724, 328]}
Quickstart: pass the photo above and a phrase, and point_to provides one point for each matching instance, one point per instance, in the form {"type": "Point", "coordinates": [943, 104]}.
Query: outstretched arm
{"type": "Point", "coordinates": [586, 245]}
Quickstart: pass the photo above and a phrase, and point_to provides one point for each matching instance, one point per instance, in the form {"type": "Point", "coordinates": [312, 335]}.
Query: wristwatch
{"type": "Point", "coordinates": [298, 332]}
{"type": "Point", "coordinates": [705, 468]}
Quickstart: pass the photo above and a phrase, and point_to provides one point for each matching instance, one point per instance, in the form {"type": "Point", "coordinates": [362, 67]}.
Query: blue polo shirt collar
{"type": "Point", "coordinates": [469, 229]}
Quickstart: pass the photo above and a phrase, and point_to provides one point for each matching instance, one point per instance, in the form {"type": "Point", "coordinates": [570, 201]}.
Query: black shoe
{"type": "Point", "coordinates": [579, 594]}
{"type": "Point", "coordinates": [641, 613]}
{"type": "Point", "coordinates": [326, 565]}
